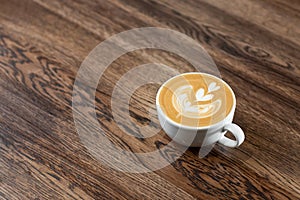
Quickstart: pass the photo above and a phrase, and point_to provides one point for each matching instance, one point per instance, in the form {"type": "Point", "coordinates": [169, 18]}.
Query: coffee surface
{"type": "Point", "coordinates": [196, 99]}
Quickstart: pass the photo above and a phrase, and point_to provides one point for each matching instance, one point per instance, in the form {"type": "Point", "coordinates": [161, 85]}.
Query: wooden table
{"type": "Point", "coordinates": [255, 45]}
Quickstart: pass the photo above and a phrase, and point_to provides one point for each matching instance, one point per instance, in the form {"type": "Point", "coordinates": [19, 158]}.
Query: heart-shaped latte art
{"type": "Point", "coordinates": [201, 96]}
{"type": "Point", "coordinates": [199, 105]}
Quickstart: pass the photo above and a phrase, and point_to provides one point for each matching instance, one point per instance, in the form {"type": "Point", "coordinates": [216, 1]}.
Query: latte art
{"type": "Point", "coordinates": [195, 107]}
{"type": "Point", "coordinates": [196, 99]}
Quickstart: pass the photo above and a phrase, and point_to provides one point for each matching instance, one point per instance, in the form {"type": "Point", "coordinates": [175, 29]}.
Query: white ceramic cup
{"type": "Point", "coordinates": [205, 135]}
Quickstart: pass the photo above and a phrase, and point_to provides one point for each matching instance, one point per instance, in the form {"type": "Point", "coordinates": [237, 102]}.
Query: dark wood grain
{"type": "Point", "coordinates": [42, 44]}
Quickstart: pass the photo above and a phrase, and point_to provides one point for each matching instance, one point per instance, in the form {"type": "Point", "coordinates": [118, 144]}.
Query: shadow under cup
{"type": "Point", "coordinates": [197, 109]}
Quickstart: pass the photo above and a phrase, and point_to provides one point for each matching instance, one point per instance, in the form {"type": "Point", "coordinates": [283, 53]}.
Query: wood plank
{"type": "Point", "coordinates": [42, 44]}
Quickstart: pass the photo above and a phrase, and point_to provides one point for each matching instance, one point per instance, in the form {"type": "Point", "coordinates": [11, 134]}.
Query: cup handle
{"type": "Point", "coordinates": [238, 134]}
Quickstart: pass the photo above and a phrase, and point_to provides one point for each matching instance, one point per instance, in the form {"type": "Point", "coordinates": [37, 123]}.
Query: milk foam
{"type": "Point", "coordinates": [196, 100]}
{"type": "Point", "coordinates": [196, 105]}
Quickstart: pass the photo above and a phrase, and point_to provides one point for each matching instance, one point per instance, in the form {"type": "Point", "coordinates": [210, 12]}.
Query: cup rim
{"type": "Point", "coordinates": [196, 127]}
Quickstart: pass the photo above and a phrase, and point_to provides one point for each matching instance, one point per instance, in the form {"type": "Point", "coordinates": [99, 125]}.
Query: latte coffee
{"type": "Point", "coordinates": [196, 99]}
